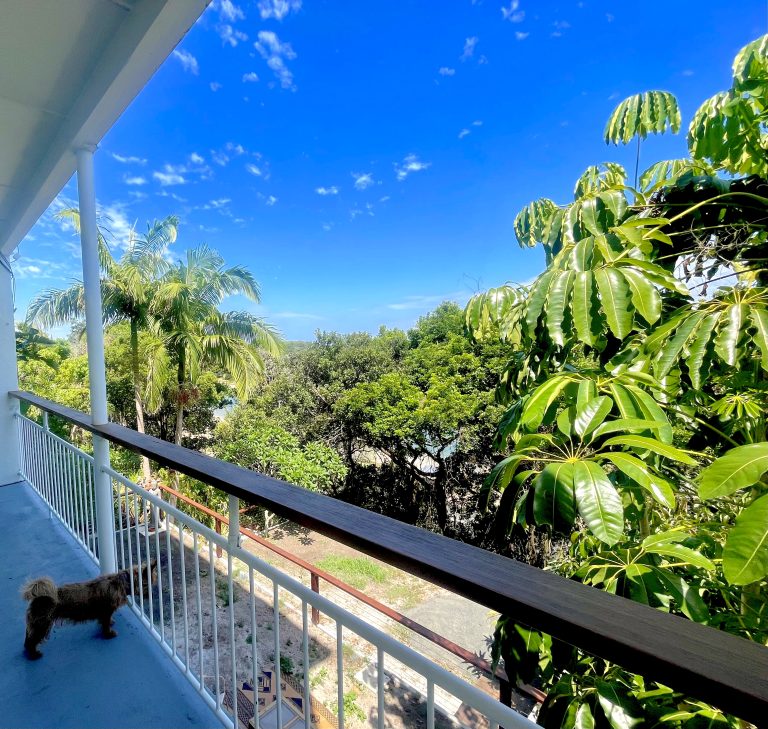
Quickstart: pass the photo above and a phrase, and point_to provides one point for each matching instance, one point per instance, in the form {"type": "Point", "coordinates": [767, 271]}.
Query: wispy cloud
{"type": "Point", "coordinates": [116, 221]}
{"type": "Point", "coordinates": [463, 133]}
{"type": "Point", "coordinates": [250, 77]}
{"type": "Point", "coordinates": [560, 26]}
{"type": "Point", "coordinates": [295, 315]}
{"type": "Point", "coordinates": [477, 123]}
{"type": "Point", "coordinates": [169, 176]}
{"type": "Point", "coordinates": [187, 60]}
{"type": "Point", "coordinates": [332, 190]}
{"type": "Point", "coordinates": [447, 71]}
{"type": "Point", "coordinates": [469, 48]}
{"type": "Point", "coordinates": [512, 14]}
{"type": "Point", "coordinates": [215, 85]}
{"type": "Point", "coordinates": [223, 155]}
{"type": "Point", "coordinates": [134, 180]}
{"type": "Point", "coordinates": [129, 160]}
{"type": "Point", "coordinates": [278, 9]}
{"type": "Point", "coordinates": [270, 201]}
{"type": "Point", "coordinates": [230, 35]}
{"type": "Point", "coordinates": [275, 53]}
{"type": "Point", "coordinates": [363, 180]}
{"type": "Point", "coordinates": [255, 170]}
{"type": "Point", "coordinates": [196, 159]}
{"type": "Point", "coordinates": [410, 164]}
{"type": "Point", "coordinates": [519, 35]}
{"type": "Point", "coordinates": [230, 11]}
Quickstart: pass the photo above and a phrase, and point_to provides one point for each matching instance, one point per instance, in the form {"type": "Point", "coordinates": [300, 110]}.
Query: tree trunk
{"type": "Point", "coordinates": [146, 470]}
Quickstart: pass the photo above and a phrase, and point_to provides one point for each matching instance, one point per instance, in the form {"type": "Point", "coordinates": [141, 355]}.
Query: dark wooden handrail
{"type": "Point", "coordinates": [707, 664]}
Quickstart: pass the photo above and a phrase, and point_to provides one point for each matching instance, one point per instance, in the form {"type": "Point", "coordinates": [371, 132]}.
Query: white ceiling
{"type": "Point", "coordinates": [68, 69]}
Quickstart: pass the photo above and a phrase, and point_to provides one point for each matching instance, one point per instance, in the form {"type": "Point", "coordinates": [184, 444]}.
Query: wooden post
{"type": "Point", "coordinates": [315, 588]}
{"type": "Point", "coordinates": [218, 531]}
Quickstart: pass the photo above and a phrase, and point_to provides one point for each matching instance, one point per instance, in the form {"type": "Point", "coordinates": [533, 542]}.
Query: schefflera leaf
{"type": "Point", "coordinates": [595, 287]}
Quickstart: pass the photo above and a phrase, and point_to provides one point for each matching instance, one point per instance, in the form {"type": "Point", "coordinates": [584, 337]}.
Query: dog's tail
{"type": "Point", "coordinates": [42, 587]}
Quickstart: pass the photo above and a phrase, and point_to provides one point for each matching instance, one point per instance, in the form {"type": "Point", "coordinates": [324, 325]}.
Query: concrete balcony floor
{"type": "Point", "coordinates": [82, 680]}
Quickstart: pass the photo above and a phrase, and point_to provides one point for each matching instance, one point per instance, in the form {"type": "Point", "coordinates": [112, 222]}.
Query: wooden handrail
{"type": "Point", "coordinates": [707, 664]}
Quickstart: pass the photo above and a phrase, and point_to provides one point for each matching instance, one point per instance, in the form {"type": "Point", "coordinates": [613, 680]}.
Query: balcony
{"type": "Point", "coordinates": [263, 616]}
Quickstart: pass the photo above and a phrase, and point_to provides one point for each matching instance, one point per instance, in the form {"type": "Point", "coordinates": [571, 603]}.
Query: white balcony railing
{"type": "Point", "coordinates": [181, 610]}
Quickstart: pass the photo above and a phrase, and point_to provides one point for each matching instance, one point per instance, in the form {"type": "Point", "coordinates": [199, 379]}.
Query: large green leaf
{"type": "Point", "coordinates": [614, 295]}
{"type": "Point", "coordinates": [642, 443]}
{"type": "Point", "coordinates": [652, 112]}
{"type": "Point", "coordinates": [745, 557]}
{"type": "Point", "coordinates": [587, 325]}
{"type": "Point", "coordinates": [541, 400]}
{"type": "Point", "coordinates": [738, 468]}
{"type": "Point", "coordinates": [641, 474]}
{"type": "Point", "coordinates": [553, 499]}
{"type": "Point", "coordinates": [591, 414]}
{"type": "Point", "coordinates": [597, 178]}
{"type": "Point", "coordinates": [559, 294]}
{"type": "Point", "coordinates": [685, 595]}
{"type": "Point", "coordinates": [727, 340]}
{"type": "Point", "coordinates": [598, 502]}
{"type": "Point", "coordinates": [531, 221]}
{"type": "Point", "coordinates": [759, 319]}
{"type": "Point", "coordinates": [683, 554]}
{"type": "Point", "coordinates": [621, 711]}
{"type": "Point", "coordinates": [645, 296]}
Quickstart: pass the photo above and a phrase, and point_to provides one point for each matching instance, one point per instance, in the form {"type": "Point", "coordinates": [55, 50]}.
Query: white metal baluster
{"type": "Point", "coordinates": [214, 621]}
{"type": "Point", "coordinates": [199, 611]}
{"type": "Point", "coordinates": [122, 510]}
{"type": "Point", "coordinates": [305, 651]}
{"type": "Point", "coordinates": [183, 560]}
{"type": "Point", "coordinates": [380, 686]}
{"type": "Point", "coordinates": [89, 504]}
{"type": "Point", "coordinates": [172, 596]}
{"type": "Point", "coordinates": [148, 559]}
{"type": "Point", "coordinates": [59, 508]}
{"type": "Point", "coordinates": [73, 493]}
{"type": "Point", "coordinates": [138, 550]}
{"type": "Point", "coordinates": [430, 704]}
{"type": "Point", "coordinates": [340, 671]}
{"type": "Point", "coordinates": [77, 471]}
{"type": "Point", "coordinates": [278, 677]}
{"type": "Point", "coordinates": [65, 453]}
{"type": "Point", "coordinates": [62, 487]}
{"type": "Point", "coordinates": [128, 542]}
{"type": "Point", "coordinates": [254, 651]}
{"type": "Point", "coordinates": [156, 517]}
{"type": "Point", "coordinates": [232, 645]}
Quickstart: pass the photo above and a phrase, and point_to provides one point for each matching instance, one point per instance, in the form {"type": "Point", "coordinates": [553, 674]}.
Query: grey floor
{"type": "Point", "coordinates": [82, 680]}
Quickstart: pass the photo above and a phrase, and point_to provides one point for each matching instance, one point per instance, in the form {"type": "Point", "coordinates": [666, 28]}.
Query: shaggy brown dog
{"type": "Point", "coordinates": [79, 602]}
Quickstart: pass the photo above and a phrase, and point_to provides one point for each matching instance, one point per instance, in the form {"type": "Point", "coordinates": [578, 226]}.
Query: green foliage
{"type": "Point", "coordinates": [636, 418]}
{"type": "Point", "coordinates": [244, 438]}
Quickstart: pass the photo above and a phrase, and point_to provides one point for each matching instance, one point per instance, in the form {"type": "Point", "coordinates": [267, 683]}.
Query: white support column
{"type": "Point", "coordinates": [9, 435]}
{"type": "Point", "coordinates": [97, 378]}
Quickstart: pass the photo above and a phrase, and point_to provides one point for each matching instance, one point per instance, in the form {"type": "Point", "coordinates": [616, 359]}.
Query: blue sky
{"type": "Point", "coordinates": [366, 159]}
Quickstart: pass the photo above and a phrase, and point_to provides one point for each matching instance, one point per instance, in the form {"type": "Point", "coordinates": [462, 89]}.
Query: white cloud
{"type": "Point", "coordinates": [332, 190]}
{"type": "Point", "coordinates": [169, 176]}
{"type": "Point", "coordinates": [135, 180]}
{"type": "Point", "coordinates": [254, 170]}
{"type": "Point", "coordinates": [363, 180]}
{"type": "Point", "coordinates": [427, 301]}
{"type": "Point", "coordinates": [271, 200]}
{"type": "Point", "coordinates": [195, 158]}
{"type": "Point", "coordinates": [275, 53]}
{"type": "Point", "coordinates": [230, 35]}
{"type": "Point", "coordinates": [687, 72]}
{"type": "Point", "coordinates": [520, 35]}
{"type": "Point", "coordinates": [295, 315]}
{"type": "Point", "coordinates": [220, 203]}
{"type": "Point", "coordinates": [117, 223]}
{"type": "Point", "coordinates": [463, 133]}
{"type": "Point", "coordinates": [250, 77]}
{"type": "Point", "coordinates": [512, 14]}
{"type": "Point", "coordinates": [609, 17]}
{"type": "Point", "coordinates": [215, 85]}
{"type": "Point", "coordinates": [560, 26]}
{"type": "Point", "coordinates": [278, 9]}
{"type": "Point", "coordinates": [187, 60]}
{"type": "Point", "coordinates": [477, 123]}
{"type": "Point", "coordinates": [446, 71]}
{"type": "Point", "coordinates": [229, 11]}
{"type": "Point", "coordinates": [129, 160]}
{"type": "Point", "coordinates": [236, 149]}
{"type": "Point", "coordinates": [469, 47]}
{"type": "Point", "coordinates": [410, 164]}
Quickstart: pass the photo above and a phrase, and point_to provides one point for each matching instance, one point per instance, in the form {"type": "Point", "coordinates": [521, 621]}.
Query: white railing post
{"type": "Point", "coordinates": [9, 406]}
{"type": "Point", "coordinates": [97, 379]}
{"type": "Point", "coordinates": [234, 521]}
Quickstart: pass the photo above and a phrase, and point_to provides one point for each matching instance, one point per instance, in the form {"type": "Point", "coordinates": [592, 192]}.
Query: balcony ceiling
{"type": "Point", "coordinates": [67, 72]}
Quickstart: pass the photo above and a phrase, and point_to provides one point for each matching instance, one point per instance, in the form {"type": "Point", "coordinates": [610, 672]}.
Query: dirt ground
{"type": "Point", "coordinates": [282, 629]}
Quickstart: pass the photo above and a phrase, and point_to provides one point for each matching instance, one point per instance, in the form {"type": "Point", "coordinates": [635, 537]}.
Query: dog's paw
{"type": "Point", "coordinates": [32, 654]}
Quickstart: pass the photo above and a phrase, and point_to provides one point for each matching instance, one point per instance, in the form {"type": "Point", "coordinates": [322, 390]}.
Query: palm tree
{"type": "Point", "coordinates": [126, 291]}
{"type": "Point", "coordinates": [196, 334]}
